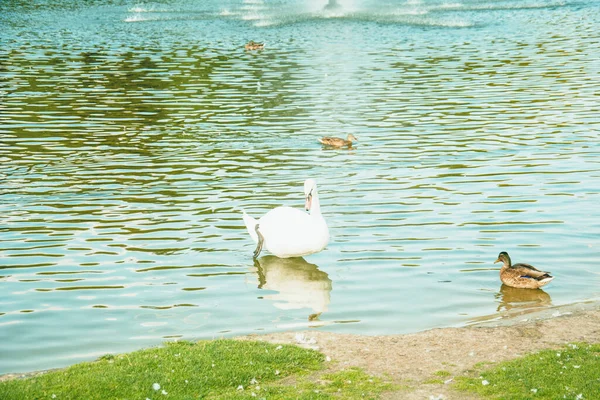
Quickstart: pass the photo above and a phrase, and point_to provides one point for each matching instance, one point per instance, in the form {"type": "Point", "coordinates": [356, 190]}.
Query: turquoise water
{"type": "Point", "coordinates": [132, 135]}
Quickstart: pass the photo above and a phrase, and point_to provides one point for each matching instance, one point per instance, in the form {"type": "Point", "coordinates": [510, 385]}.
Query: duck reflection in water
{"type": "Point", "coordinates": [299, 283]}
{"type": "Point", "coordinates": [522, 299]}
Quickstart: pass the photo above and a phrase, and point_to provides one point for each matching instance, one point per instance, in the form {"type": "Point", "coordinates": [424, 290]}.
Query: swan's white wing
{"type": "Point", "coordinates": [289, 232]}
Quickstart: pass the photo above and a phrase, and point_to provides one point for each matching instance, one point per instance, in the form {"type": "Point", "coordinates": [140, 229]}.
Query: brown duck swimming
{"type": "Point", "coordinates": [522, 276]}
{"type": "Point", "coordinates": [252, 45]}
{"type": "Point", "coordinates": [337, 142]}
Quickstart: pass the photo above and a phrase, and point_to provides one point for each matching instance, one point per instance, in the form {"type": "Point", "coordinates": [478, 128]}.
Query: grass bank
{"type": "Point", "coordinates": [220, 369]}
{"type": "Point", "coordinates": [572, 372]}
{"type": "Point", "coordinates": [525, 359]}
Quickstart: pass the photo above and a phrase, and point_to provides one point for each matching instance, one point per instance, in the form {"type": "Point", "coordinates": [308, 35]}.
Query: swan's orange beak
{"type": "Point", "coordinates": [308, 202]}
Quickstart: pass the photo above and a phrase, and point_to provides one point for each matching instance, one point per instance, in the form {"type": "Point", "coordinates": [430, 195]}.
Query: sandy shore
{"type": "Point", "coordinates": [411, 360]}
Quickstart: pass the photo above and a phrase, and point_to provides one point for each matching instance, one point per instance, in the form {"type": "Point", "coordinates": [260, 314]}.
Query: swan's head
{"type": "Point", "coordinates": [310, 189]}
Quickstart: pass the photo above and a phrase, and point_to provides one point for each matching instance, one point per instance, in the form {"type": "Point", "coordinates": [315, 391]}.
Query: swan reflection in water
{"type": "Point", "coordinates": [300, 284]}
{"type": "Point", "coordinates": [514, 299]}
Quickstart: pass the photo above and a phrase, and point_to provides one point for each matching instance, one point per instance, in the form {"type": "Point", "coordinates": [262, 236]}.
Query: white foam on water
{"type": "Point", "coordinates": [136, 18]}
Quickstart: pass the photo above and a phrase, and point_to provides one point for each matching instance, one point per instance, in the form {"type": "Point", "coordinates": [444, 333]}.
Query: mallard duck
{"type": "Point", "coordinates": [288, 232]}
{"type": "Point", "coordinates": [522, 276]}
{"type": "Point", "coordinates": [338, 142]}
{"type": "Point", "coordinates": [252, 45]}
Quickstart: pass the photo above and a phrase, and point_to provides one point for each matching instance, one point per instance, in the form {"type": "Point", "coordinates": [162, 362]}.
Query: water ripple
{"type": "Point", "coordinates": [132, 137]}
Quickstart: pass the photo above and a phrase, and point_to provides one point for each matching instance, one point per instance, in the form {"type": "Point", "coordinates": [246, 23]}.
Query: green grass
{"type": "Point", "coordinates": [572, 372]}
{"type": "Point", "coordinates": [221, 369]}
{"type": "Point", "coordinates": [347, 384]}
{"type": "Point", "coordinates": [440, 377]}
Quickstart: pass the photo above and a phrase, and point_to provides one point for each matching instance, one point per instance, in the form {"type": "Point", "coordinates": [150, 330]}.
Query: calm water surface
{"type": "Point", "coordinates": [132, 135]}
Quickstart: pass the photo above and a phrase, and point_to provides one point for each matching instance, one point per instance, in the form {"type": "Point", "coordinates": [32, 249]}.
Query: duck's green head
{"type": "Point", "coordinates": [504, 258]}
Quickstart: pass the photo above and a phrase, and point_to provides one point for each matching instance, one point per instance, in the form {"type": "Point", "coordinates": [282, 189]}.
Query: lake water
{"type": "Point", "coordinates": [132, 136]}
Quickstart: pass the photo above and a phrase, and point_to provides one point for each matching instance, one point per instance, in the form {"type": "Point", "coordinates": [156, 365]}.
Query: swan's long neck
{"type": "Point", "coordinates": [315, 207]}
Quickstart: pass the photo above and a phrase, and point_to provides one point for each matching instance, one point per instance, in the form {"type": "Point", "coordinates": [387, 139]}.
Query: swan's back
{"type": "Point", "coordinates": [289, 232]}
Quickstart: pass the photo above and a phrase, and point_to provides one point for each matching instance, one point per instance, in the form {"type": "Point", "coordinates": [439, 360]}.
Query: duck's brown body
{"type": "Point", "coordinates": [338, 142]}
{"type": "Point", "coordinates": [252, 45]}
{"type": "Point", "coordinates": [522, 276]}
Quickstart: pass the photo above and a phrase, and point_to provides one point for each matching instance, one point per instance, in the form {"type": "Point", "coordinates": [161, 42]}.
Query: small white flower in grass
{"type": "Point", "coordinates": [257, 387]}
{"type": "Point", "coordinates": [557, 354]}
{"type": "Point", "coordinates": [253, 381]}
{"type": "Point", "coordinates": [240, 387]}
{"type": "Point", "coordinates": [485, 382]}
{"type": "Point", "coordinates": [533, 390]}
{"type": "Point", "coordinates": [253, 394]}
{"type": "Point", "coordinates": [53, 396]}
{"type": "Point", "coordinates": [327, 358]}
{"type": "Point", "coordinates": [279, 347]}
{"type": "Point", "coordinates": [276, 372]}
{"type": "Point", "coordinates": [576, 366]}
{"type": "Point", "coordinates": [579, 396]}
{"type": "Point", "coordinates": [186, 381]}
{"type": "Point", "coordinates": [155, 386]}
{"type": "Point", "coordinates": [164, 392]}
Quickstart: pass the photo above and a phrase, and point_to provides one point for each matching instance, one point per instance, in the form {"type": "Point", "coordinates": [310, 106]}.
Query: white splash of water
{"type": "Point", "coordinates": [135, 18]}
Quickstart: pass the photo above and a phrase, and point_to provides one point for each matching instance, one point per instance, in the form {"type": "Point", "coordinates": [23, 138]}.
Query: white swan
{"type": "Point", "coordinates": [288, 232]}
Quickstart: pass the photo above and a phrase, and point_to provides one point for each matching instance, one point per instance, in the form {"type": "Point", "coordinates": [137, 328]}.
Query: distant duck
{"type": "Point", "coordinates": [338, 142]}
{"type": "Point", "coordinates": [288, 232]}
{"type": "Point", "coordinates": [252, 45]}
{"type": "Point", "coordinates": [522, 276]}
